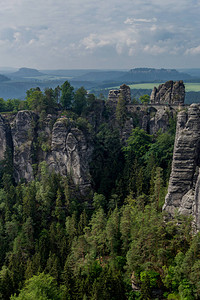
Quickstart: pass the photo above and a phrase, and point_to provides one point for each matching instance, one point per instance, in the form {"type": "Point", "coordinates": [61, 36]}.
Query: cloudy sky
{"type": "Point", "coordinates": [108, 34]}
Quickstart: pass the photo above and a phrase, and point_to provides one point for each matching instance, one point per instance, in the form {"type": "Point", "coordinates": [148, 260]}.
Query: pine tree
{"type": "Point", "coordinates": [121, 112]}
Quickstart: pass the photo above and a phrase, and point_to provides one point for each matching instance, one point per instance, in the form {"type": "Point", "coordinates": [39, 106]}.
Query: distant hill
{"type": "Point", "coordinates": [67, 73]}
{"type": "Point", "coordinates": [17, 88]}
{"type": "Point", "coordinates": [151, 75]}
{"type": "Point", "coordinates": [26, 72]}
{"type": "Point", "coordinates": [3, 78]}
{"type": "Point", "coordinates": [195, 72]}
{"type": "Point", "coordinates": [134, 75]}
{"type": "Point", "coordinates": [101, 76]}
{"type": "Point", "coordinates": [96, 80]}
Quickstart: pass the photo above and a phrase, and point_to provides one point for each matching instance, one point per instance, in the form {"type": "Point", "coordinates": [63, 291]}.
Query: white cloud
{"type": "Point", "coordinates": [154, 49]}
{"type": "Point", "coordinates": [119, 40]}
{"type": "Point", "coordinates": [131, 21]}
{"type": "Point", "coordinates": [68, 33]}
{"type": "Point", "coordinates": [193, 51]}
{"type": "Point", "coordinates": [94, 41]}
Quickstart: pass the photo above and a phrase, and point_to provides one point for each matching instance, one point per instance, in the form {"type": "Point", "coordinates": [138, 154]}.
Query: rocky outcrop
{"type": "Point", "coordinates": [66, 148]}
{"type": "Point", "coordinates": [124, 90]}
{"type": "Point", "coordinates": [5, 137]}
{"type": "Point", "coordinates": [63, 146]}
{"type": "Point", "coordinates": [23, 131]}
{"type": "Point", "coordinates": [151, 118]}
{"type": "Point", "coordinates": [113, 95]}
{"type": "Point", "coordinates": [160, 119]}
{"type": "Point", "coordinates": [70, 153]}
{"type": "Point", "coordinates": [169, 93]}
{"type": "Point", "coordinates": [126, 93]}
{"type": "Point", "coordinates": [183, 191]}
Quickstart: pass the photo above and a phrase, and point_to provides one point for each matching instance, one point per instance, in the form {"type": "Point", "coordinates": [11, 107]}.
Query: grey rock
{"type": "Point", "coordinates": [152, 118]}
{"type": "Point", "coordinates": [5, 137]}
{"type": "Point", "coordinates": [113, 95]}
{"type": "Point", "coordinates": [169, 93]}
{"type": "Point", "coordinates": [160, 119]}
{"type": "Point", "coordinates": [126, 93]}
{"type": "Point", "coordinates": [70, 154]}
{"type": "Point", "coordinates": [65, 148]}
{"type": "Point", "coordinates": [187, 204]}
{"type": "Point", "coordinates": [44, 136]}
{"type": "Point", "coordinates": [124, 90]}
{"type": "Point", "coordinates": [196, 207]}
{"type": "Point", "coordinates": [183, 190]}
{"type": "Point", "coordinates": [23, 135]}
{"type": "Point", "coordinates": [126, 130]}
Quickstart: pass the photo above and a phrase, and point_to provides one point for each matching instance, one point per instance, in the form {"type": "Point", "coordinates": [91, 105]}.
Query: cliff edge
{"type": "Point", "coordinates": [183, 191]}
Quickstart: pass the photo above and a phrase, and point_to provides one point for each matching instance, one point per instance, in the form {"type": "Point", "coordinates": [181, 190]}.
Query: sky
{"type": "Point", "coordinates": [103, 34]}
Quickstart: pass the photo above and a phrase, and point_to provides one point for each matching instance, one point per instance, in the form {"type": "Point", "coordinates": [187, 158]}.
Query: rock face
{"type": "Point", "coordinates": [64, 147]}
{"type": "Point", "coordinates": [124, 90]}
{"type": "Point", "coordinates": [23, 136]}
{"type": "Point", "coordinates": [67, 149]}
{"type": "Point", "coordinates": [151, 118]}
{"type": "Point", "coordinates": [70, 153]}
{"type": "Point", "coordinates": [126, 93]}
{"type": "Point", "coordinates": [5, 137]}
{"type": "Point", "coordinates": [183, 191]}
{"type": "Point", "coordinates": [160, 119]}
{"type": "Point", "coordinates": [169, 93]}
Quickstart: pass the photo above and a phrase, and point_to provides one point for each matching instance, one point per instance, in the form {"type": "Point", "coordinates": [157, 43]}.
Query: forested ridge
{"type": "Point", "coordinates": [114, 242]}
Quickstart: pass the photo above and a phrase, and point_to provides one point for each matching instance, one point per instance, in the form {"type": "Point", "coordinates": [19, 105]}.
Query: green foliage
{"type": "Point", "coordinates": [67, 95]}
{"type": "Point", "coordinates": [159, 191]}
{"type": "Point", "coordinates": [121, 113]}
{"type": "Point", "coordinates": [2, 105]}
{"type": "Point", "coordinates": [41, 102]}
{"type": "Point", "coordinates": [35, 99]}
{"type": "Point", "coordinates": [40, 287]}
{"type": "Point", "coordinates": [91, 100]}
{"type": "Point", "coordinates": [6, 169]}
{"type": "Point", "coordinates": [59, 244]}
{"type": "Point", "coordinates": [83, 125]}
{"type": "Point", "coordinates": [138, 145]}
{"type": "Point", "coordinates": [107, 160]}
{"type": "Point", "coordinates": [99, 200]}
{"type": "Point", "coordinates": [51, 100]}
{"type": "Point", "coordinates": [80, 101]}
{"type": "Point", "coordinates": [162, 151]}
{"type": "Point", "coordinates": [144, 99]}
{"type": "Point", "coordinates": [12, 105]}
{"type": "Point", "coordinates": [148, 279]}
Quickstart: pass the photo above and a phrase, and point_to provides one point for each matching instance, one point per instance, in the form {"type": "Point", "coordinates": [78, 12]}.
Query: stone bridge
{"type": "Point", "coordinates": [155, 107]}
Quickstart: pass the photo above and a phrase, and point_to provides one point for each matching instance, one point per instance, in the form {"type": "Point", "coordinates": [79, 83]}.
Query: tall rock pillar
{"type": "Point", "coordinates": [183, 191]}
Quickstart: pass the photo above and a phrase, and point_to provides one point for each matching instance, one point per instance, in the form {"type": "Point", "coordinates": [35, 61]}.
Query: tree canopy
{"type": "Point", "coordinates": [67, 95]}
{"type": "Point", "coordinates": [144, 99]}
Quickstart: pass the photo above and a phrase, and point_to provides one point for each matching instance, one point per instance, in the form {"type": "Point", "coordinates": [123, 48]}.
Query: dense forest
{"type": "Point", "coordinates": [113, 242]}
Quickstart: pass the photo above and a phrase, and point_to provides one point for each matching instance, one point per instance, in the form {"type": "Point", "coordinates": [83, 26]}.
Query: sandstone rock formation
{"type": "Point", "coordinates": [183, 191]}
{"type": "Point", "coordinates": [5, 137]}
{"type": "Point", "coordinates": [70, 153]}
{"type": "Point", "coordinates": [124, 90]}
{"type": "Point", "coordinates": [159, 119]}
{"type": "Point", "coordinates": [151, 118]}
{"type": "Point", "coordinates": [168, 93]}
{"type": "Point", "coordinates": [67, 149]}
{"type": "Point", "coordinates": [64, 147]}
{"type": "Point", "coordinates": [23, 136]}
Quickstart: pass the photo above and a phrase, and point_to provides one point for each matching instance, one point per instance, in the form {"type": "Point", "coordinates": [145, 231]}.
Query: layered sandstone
{"type": "Point", "coordinates": [172, 93]}
{"type": "Point", "coordinates": [63, 147]}
{"type": "Point", "coordinates": [124, 90]}
{"type": "Point", "coordinates": [183, 191]}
